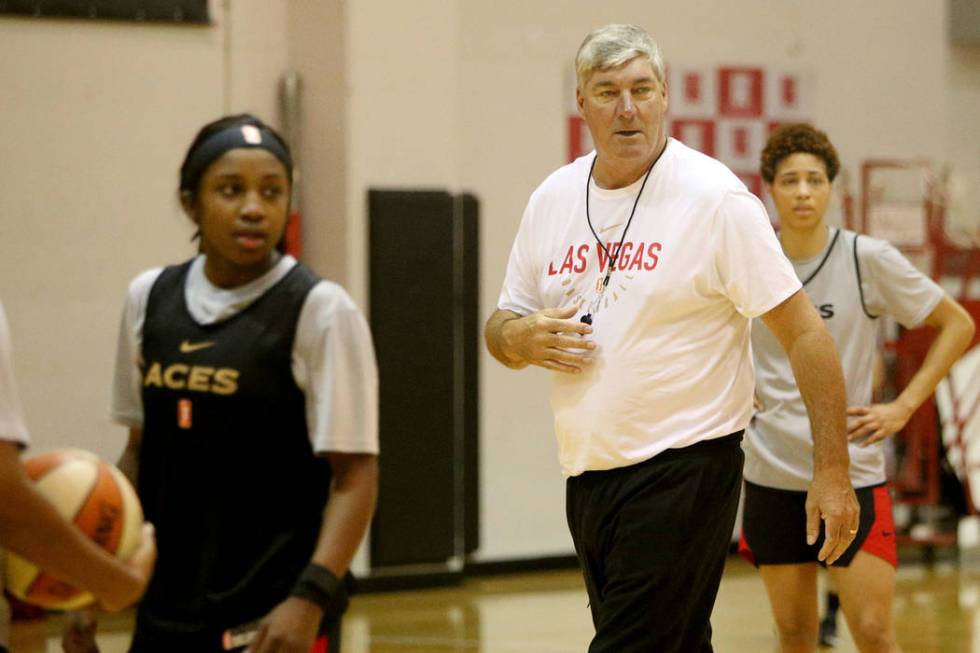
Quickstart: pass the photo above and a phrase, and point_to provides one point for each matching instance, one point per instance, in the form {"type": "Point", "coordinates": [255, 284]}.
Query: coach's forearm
{"type": "Point", "coordinates": [819, 376]}
{"type": "Point", "coordinates": [496, 344]}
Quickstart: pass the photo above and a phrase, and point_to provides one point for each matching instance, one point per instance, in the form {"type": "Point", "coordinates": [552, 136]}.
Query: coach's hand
{"type": "Point", "coordinates": [549, 339]}
{"type": "Point", "coordinates": [876, 422]}
{"type": "Point", "coordinates": [291, 627]}
{"type": "Point", "coordinates": [831, 498]}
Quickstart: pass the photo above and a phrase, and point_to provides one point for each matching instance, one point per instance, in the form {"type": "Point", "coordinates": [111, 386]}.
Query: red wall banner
{"type": "Point", "coordinates": [727, 112]}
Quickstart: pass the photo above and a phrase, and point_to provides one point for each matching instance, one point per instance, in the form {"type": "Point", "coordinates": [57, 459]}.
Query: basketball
{"type": "Point", "coordinates": [97, 498]}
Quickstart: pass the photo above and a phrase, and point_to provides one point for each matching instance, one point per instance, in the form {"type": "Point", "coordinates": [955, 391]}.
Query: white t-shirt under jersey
{"type": "Point", "coordinates": [673, 365]}
{"type": "Point", "coordinates": [12, 429]}
{"type": "Point", "coordinates": [779, 445]}
{"type": "Point", "coordinates": [333, 359]}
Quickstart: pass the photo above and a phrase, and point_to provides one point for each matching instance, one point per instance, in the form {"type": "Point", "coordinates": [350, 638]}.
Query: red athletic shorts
{"type": "Point", "coordinates": [774, 527]}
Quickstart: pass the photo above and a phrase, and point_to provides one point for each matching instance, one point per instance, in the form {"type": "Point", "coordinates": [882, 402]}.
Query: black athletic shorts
{"type": "Point", "coordinates": [774, 526]}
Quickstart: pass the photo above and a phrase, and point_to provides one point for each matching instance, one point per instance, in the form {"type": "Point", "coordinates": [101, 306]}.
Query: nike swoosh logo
{"type": "Point", "coordinates": [610, 227]}
{"type": "Point", "coordinates": [190, 347]}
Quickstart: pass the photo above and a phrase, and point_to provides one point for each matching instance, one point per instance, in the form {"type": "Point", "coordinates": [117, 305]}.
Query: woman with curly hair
{"type": "Point", "coordinates": [852, 279]}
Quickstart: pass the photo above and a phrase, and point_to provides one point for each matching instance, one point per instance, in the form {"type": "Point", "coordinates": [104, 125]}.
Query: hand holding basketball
{"type": "Point", "coordinates": [98, 499]}
{"type": "Point", "coordinates": [140, 565]}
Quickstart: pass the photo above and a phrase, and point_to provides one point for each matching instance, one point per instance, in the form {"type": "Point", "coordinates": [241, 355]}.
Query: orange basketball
{"type": "Point", "coordinates": [98, 499]}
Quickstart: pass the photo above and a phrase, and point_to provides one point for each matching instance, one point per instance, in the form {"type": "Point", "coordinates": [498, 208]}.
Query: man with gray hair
{"type": "Point", "coordinates": [633, 277]}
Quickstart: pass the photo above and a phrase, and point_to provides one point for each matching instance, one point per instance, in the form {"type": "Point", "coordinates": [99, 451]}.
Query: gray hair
{"type": "Point", "coordinates": [614, 45]}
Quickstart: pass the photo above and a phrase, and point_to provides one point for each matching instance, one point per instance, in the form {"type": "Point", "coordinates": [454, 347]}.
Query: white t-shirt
{"type": "Point", "coordinates": [779, 444]}
{"type": "Point", "coordinates": [333, 359]}
{"type": "Point", "coordinates": [12, 425]}
{"type": "Point", "coordinates": [673, 365]}
{"type": "Point", "coordinates": [12, 429]}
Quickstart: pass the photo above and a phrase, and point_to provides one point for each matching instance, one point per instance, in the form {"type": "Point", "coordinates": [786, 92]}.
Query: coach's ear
{"type": "Point", "coordinates": [579, 100]}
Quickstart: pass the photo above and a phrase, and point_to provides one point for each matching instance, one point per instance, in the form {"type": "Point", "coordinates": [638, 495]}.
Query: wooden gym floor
{"type": "Point", "coordinates": [937, 610]}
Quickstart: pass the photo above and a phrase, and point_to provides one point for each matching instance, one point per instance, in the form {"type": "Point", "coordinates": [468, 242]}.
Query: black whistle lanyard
{"type": "Point", "coordinates": [611, 257]}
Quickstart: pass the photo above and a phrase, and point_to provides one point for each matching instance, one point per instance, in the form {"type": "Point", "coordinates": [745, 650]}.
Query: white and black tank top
{"type": "Point", "coordinates": [779, 444]}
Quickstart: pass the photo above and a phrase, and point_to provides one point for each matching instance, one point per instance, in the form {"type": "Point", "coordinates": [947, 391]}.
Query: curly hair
{"type": "Point", "coordinates": [795, 138]}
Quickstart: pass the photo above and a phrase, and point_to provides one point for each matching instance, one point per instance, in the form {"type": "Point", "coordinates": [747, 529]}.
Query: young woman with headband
{"type": "Point", "coordinates": [249, 386]}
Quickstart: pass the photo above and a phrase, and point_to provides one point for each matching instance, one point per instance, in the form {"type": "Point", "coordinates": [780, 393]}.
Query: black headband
{"type": "Point", "coordinates": [232, 138]}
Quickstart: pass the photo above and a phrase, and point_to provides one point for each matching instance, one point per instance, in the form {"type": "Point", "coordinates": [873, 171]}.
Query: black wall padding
{"type": "Point", "coordinates": [472, 346]}
{"type": "Point", "coordinates": [418, 307]}
{"type": "Point", "coordinates": [169, 11]}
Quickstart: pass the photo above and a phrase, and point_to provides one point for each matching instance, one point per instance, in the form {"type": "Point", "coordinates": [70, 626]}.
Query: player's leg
{"type": "Point", "coordinates": [867, 589]}
{"type": "Point", "coordinates": [792, 590]}
{"type": "Point", "coordinates": [867, 584]}
{"type": "Point", "coordinates": [774, 539]}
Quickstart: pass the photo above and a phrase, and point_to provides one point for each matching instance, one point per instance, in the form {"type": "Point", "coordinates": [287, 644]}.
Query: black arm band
{"type": "Point", "coordinates": [318, 585]}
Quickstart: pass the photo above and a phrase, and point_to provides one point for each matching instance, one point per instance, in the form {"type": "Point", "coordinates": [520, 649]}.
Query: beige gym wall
{"type": "Point", "coordinates": [95, 119]}
{"type": "Point", "coordinates": [457, 94]}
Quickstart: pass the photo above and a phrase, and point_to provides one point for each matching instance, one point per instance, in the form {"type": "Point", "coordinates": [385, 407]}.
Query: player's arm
{"type": "Point", "coordinates": [293, 624]}
{"type": "Point", "coordinates": [547, 338]}
{"type": "Point", "coordinates": [955, 329]}
{"type": "Point", "coordinates": [130, 457]}
{"type": "Point", "coordinates": [346, 518]}
{"type": "Point", "coordinates": [31, 527]}
{"type": "Point", "coordinates": [79, 626]}
{"type": "Point", "coordinates": [349, 510]}
{"type": "Point", "coordinates": [341, 387]}
{"type": "Point", "coordinates": [817, 370]}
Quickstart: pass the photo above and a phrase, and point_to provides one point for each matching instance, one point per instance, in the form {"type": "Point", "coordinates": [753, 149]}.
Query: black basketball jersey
{"type": "Point", "coordinates": [226, 470]}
